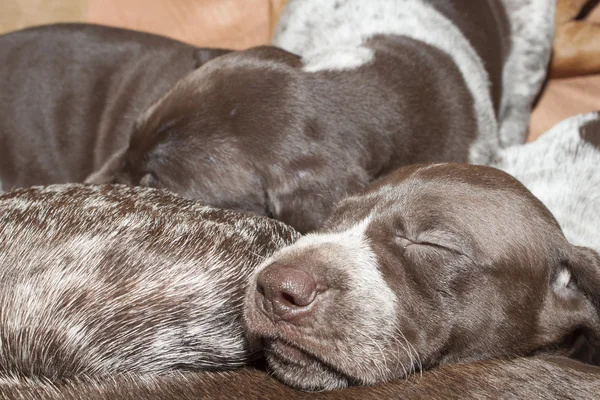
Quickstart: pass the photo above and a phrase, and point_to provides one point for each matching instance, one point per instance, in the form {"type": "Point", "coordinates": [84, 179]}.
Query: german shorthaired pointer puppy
{"type": "Point", "coordinates": [70, 94]}
{"type": "Point", "coordinates": [378, 84]}
{"type": "Point", "coordinates": [432, 265]}
{"type": "Point", "coordinates": [562, 169]}
{"type": "Point", "coordinates": [98, 281]}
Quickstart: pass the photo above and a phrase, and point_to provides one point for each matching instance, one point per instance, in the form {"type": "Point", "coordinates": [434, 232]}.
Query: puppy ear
{"type": "Point", "coordinates": [107, 172]}
{"type": "Point", "coordinates": [577, 289]}
{"type": "Point", "coordinates": [305, 200]}
{"type": "Point", "coordinates": [585, 267]}
{"type": "Point", "coordinates": [202, 56]}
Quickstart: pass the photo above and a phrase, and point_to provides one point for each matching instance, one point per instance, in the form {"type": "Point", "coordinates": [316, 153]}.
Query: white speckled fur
{"type": "Point", "coordinates": [100, 280]}
{"type": "Point", "coordinates": [358, 264]}
{"type": "Point", "coordinates": [329, 34]}
{"type": "Point", "coordinates": [563, 171]}
{"type": "Point", "coordinates": [532, 26]}
{"type": "Point", "coordinates": [367, 281]}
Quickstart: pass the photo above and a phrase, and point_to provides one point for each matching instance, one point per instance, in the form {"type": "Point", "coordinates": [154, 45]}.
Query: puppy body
{"type": "Point", "coordinates": [379, 84]}
{"type": "Point", "coordinates": [501, 48]}
{"type": "Point", "coordinates": [98, 281]}
{"type": "Point", "coordinates": [519, 378]}
{"type": "Point", "coordinates": [432, 265]}
{"type": "Point", "coordinates": [70, 94]}
{"type": "Point", "coordinates": [561, 169]}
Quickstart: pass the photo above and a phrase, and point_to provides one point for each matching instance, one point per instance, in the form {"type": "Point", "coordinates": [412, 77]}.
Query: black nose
{"type": "Point", "coordinates": [284, 292]}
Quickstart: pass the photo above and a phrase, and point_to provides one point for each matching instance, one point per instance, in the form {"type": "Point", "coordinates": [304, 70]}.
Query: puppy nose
{"type": "Point", "coordinates": [285, 292]}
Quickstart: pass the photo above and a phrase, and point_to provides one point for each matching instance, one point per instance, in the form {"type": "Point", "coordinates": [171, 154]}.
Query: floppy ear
{"type": "Point", "coordinates": [577, 290]}
{"type": "Point", "coordinates": [107, 172]}
{"type": "Point", "coordinates": [305, 200]}
{"type": "Point", "coordinates": [202, 56]}
{"type": "Point", "coordinates": [585, 267]}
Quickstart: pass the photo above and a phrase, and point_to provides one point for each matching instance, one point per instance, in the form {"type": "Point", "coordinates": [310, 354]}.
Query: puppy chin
{"type": "Point", "coordinates": [306, 374]}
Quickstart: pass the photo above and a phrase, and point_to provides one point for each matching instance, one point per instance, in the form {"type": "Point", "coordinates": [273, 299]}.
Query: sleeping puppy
{"type": "Point", "coordinates": [100, 281]}
{"type": "Point", "coordinates": [432, 265]}
{"type": "Point", "coordinates": [521, 378]}
{"type": "Point", "coordinates": [70, 94]}
{"type": "Point", "coordinates": [377, 84]}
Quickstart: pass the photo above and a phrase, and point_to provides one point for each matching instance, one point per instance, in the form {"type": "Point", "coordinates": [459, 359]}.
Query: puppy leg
{"type": "Point", "coordinates": [576, 49]}
{"type": "Point", "coordinates": [532, 32]}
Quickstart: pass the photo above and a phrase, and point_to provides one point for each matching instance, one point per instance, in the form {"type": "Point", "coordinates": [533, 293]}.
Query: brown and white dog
{"type": "Point", "coordinates": [100, 281]}
{"type": "Point", "coordinates": [521, 378]}
{"type": "Point", "coordinates": [432, 265]}
{"type": "Point", "coordinates": [561, 168]}
{"type": "Point", "coordinates": [377, 84]}
{"type": "Point", "coordinates": [70, 95]}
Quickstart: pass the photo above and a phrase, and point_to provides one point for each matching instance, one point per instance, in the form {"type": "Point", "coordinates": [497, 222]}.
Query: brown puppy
{"type": "Point", "coordinates": [97, 281]}
{"type": "Point", "coordinates": [576, 49]}
{"type": "Point", "coordinates": [375, 85]}
{"type": "Point", "coordinates": [70, 94]}
{"type": "Point", "coordinates": [522, 378]}
{"type": "Point", "coordinates": [432, 265]}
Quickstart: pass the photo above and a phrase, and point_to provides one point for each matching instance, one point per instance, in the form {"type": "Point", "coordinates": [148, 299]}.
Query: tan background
{"type": "Point", "coordinates": [219, 23]}
{"type": "Point", "coordinates": [243, 23]}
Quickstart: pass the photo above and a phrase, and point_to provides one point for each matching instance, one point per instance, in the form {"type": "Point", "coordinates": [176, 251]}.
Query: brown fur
{"type": "Point", "coordinates": [72, 92]}
{"type": "Point", "coordinates": [434, 264]}
{"type": "Point", "coordinates": [532, 379]}
{"type": "Point", "coordinates": [254, 132]}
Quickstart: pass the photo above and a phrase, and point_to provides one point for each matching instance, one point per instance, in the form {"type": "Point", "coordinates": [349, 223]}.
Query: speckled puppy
{"type": "Point", "coordinates": [379, 84]}
{"type": "Point", "coordinates": [562, 169]}
{"type": "Point", "coordinates": [499, 50]}
{"type": "Point", "coordinates": [96, 281]}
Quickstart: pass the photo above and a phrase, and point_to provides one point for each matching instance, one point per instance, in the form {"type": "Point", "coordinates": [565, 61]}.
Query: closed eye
{"type": "Point", "coordinates": [442, 247]}
{"type": "Point", "coordinates": [406, 242]}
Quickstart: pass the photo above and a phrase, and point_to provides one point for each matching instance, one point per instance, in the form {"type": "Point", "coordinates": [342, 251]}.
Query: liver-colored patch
{"type": "Point", "coordinates": [590, 132]}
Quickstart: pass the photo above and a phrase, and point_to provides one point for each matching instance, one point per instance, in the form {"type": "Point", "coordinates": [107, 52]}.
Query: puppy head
{"type": "Point", "coordinates": [432, 265]}
{"type": "Point", "coordinates": [194, 140]}
{"type": "Point", "coordinates": [232, 134]}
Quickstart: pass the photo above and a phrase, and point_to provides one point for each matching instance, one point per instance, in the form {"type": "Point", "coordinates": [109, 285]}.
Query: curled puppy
{"type": "Point", "coordinates": [434, 264]}
{"type": "Point", "coordinates": [70, 94]}
{"type": "Point", "coordinates": [98, 281]}
{"type": "Point", "coordinates": [519, 378]}
{"type": "Point", "coordinates": [561, 169]}
{"type": "Point", "coordinates": [378, 84]}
